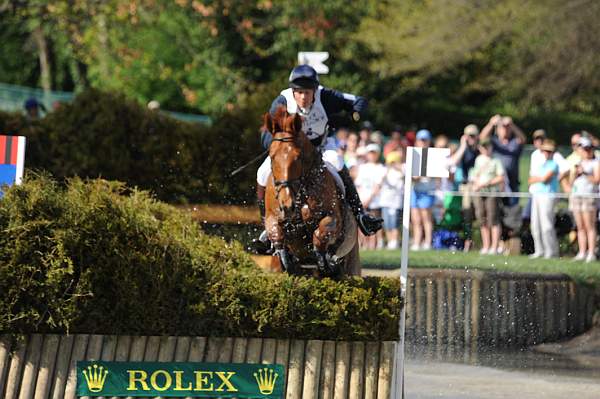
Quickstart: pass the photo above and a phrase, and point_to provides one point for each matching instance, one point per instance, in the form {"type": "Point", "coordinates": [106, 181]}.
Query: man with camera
{"type": "Point", "coordinates": [507, 146]}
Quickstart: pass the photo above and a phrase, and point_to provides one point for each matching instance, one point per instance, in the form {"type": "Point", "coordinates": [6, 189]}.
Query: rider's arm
{"type": "Point", "coordinates": [335, 101]}
{"type": "Point", "coordinates": [265, 136]}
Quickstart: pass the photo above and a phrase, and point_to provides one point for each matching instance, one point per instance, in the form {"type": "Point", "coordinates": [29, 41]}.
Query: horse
{"type": "Point", "coordinates": [311, 228]}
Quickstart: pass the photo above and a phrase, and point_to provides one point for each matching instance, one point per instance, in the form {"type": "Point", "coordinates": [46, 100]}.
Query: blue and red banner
{"type": "Point", "coordinates": [12, 160]}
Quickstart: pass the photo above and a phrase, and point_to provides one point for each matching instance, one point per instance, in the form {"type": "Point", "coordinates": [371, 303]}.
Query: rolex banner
{"type": "Point", "coordinates": [198, 380]}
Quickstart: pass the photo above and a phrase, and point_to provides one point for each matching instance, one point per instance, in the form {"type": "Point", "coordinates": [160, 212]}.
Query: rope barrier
{"type": "Point", "coordinates": [510, 194]}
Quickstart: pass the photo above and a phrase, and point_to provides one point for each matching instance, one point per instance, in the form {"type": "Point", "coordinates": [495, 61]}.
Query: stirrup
{"type": "Point", "coordinates": [368, 224]}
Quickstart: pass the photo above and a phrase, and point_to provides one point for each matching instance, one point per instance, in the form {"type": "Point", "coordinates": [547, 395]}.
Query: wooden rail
{"type": "Point", "coordinates": [465, 310]}
{"type": "Point", "coordinates": [44, 366]}
{"type": "Point", "coordinates": [223, 214]}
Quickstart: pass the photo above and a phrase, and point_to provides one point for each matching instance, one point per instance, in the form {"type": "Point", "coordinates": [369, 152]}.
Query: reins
{"type": "Point", "coordinates": [301, 180]}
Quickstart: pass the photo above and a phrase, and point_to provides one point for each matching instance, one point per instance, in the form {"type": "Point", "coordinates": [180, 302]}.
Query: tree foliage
{"type": "Point", "coordinates": [531, 53]}
{"type": "Point", "coordinates": [188, 55]}
{"type": "Point", "coordinates": [212, 56]}
{"type": "Point", "coordinates": [103, 134]}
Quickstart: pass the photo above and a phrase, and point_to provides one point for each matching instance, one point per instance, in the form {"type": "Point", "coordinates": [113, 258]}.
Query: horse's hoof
{"type": "Point", "coordinates": [287, 263]}
{"type": "Point", "coordinates": [327, 264]}
{"type": "Point", "coordinates": [322, 266]}
{"type": "Point", "coordinates": [333, 263]}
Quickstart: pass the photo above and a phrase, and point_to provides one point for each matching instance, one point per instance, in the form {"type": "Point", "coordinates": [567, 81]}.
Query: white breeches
{"type": "Point", "coordinates": [330, 156]}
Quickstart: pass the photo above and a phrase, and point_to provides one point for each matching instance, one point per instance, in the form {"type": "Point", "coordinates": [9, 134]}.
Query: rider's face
{"type": "Point", "coordinates": [304, 97]}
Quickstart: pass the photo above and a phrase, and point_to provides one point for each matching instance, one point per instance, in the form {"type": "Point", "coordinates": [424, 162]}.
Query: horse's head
{"type": "Point", "coordinates": [288, 151]}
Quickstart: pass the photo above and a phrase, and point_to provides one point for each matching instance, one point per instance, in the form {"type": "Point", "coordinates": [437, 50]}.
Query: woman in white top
{"type": "Point", "coordinates": [584, 179]}
{"type": "Point", "coordinates": [390, 197]}
{"type": "Point", "coordinates": [368, 177]}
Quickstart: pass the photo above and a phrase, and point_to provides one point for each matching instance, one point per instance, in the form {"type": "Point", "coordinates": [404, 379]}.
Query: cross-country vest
{"type": "Point", "coordinates": [314, 124]}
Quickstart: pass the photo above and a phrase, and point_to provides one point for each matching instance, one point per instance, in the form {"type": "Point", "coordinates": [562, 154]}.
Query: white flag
{"type": "Point", "coordinates": [430, 162]}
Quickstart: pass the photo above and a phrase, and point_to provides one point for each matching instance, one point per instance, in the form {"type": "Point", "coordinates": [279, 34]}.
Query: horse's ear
{"type": "Point", "coordinates": [297, 123]}
{"type": "Point", "coordinates": [268, 122]}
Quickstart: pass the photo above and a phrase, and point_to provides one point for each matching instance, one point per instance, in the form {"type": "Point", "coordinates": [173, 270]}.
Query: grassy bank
{"type": "Point", "coordinates": [579, 271]}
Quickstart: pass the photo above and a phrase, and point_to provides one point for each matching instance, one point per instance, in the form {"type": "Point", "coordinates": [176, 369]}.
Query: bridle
{"type": "Point", "coordinates": [296, 184]}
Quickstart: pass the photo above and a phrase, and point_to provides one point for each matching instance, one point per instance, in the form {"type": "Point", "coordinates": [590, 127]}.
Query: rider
{"type": "Point", "coordinates": [316, 105]}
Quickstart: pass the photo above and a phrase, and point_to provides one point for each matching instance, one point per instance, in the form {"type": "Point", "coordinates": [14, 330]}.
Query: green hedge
{"type": "Point", "coordinates": [106, 135]}
{"type": "Point", "coordinates": [97, 257]}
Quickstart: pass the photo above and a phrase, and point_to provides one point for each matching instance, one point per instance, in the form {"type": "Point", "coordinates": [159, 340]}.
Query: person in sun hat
{"type": "Point", "coordinates": [487, 177]}
{"type": "Point", "coordinates": [584, 179]}
{"type": "Point", "coordinates": [538, 159]}
{"type": "Point", "coordinates": [543, 184]}
{"type": "Point", "coordinates": [464, 159]}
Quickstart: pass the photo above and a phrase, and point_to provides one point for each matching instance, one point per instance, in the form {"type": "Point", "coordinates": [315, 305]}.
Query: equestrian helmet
{"type": "Point", "coordinates": [304, 77]}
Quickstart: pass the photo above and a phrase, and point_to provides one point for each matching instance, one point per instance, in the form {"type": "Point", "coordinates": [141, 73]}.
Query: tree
{"type": "Point", "coordinates": [198, 56]}
{"type": "Point", "coordinates": [532, 53]}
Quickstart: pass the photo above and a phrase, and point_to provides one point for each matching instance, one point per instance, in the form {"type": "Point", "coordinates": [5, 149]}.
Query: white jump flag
{"type": "Point", "coordinates": [420, 162]}
{"type": "Point", "coordinates": [315, 59]}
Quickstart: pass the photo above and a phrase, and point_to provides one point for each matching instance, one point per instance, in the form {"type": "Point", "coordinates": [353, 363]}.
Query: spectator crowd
{"type": "Point", "coordinates": [482, 190]}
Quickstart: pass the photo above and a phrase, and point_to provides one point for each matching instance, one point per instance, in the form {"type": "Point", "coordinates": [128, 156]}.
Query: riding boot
{"type": "Point", "coordinates": [261, 245]}
{"type": "Point", "coordinates": [368, 224]}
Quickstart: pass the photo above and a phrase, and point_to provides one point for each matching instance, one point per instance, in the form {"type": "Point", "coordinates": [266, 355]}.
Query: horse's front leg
{"type": "Point", "coordinates": [323, 237]}
{"type": "Point", "coordinates": [274, 230]}
{"type": "Point", "coordinates": [275, 233]}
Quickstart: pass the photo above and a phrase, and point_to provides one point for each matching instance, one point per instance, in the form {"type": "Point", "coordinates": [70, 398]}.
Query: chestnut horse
{"type": "Point", "coordinates": [306, 217]}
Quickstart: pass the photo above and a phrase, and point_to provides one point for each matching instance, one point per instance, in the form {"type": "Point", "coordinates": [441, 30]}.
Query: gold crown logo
{"type": "Point", "coordinates": [95, 377]}
{"type": "Point", "coordinates": [266, 380]}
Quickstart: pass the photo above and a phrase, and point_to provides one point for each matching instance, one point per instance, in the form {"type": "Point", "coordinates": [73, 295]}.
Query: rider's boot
{"type": "Point", "coordinates": [261, 245]}
{"type": "Point", "coordinates": [368, 224]}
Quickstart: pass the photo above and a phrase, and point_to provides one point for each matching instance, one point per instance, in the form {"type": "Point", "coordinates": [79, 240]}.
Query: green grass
{"type": "Point", "coordinates": [386, 259]}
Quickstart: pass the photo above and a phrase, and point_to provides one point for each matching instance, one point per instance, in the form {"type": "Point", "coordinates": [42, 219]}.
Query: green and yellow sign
{"type": "Point", "coordinates": [201, 380]}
